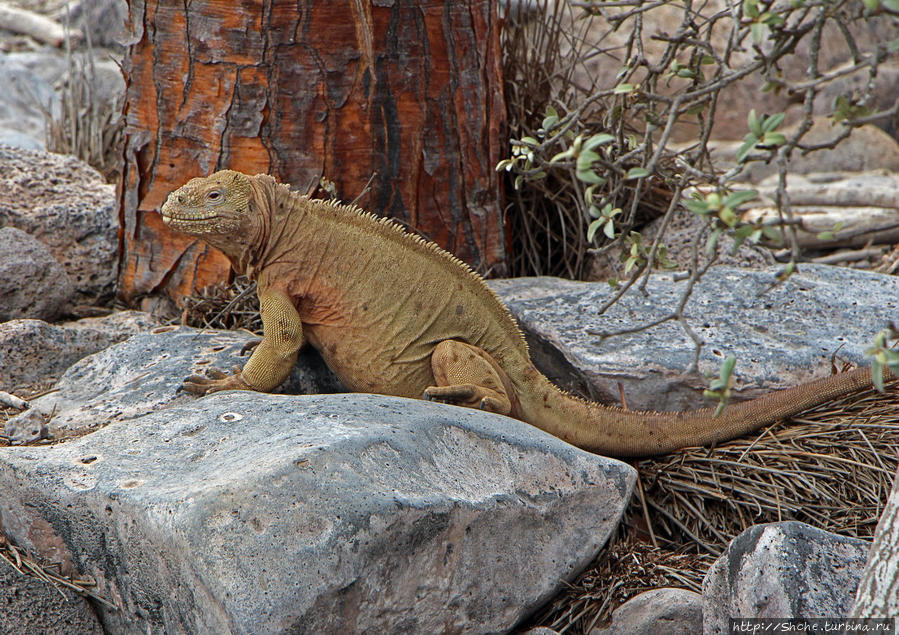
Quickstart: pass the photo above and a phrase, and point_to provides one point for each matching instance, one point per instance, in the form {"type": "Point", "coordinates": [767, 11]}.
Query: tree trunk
{"type": "Point", "coordinates": [409, 92]}
{"type": "Point", "coordinates": [878, 590]}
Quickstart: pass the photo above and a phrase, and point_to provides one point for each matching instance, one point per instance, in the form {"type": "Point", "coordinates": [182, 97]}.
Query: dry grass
{"type": "Point", "coordinates": [626, 568]}
{"type": "Point", "coordinates": [224, 306]}
{"type": "Point", "coordinates": [87, 127]}
{"type": "Point", "coordinates": [831, 467]}
{"type": "Point", "coordinates": [545, 61]}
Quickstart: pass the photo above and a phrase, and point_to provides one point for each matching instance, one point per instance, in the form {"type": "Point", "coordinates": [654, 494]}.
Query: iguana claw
{"type": "Point", "coordinates": [215, 381]}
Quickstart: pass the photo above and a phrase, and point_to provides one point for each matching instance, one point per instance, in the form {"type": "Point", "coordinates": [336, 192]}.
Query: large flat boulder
{"type": "Point", "coordinates": [781, 334]}
{"type": "Point", "coordinates": [252, 513]}
{"type": "Point", "coordinates": [243, 512]}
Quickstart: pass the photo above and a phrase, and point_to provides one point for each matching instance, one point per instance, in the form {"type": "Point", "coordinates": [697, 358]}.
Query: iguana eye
{"type": "Point", "coordinates": [214, 195]}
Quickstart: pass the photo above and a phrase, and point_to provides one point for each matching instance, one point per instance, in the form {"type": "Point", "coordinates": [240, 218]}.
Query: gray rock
{"type": "Point", "coordinates": [144, 374]}
{"type": "Point", "coordinates": [783, 570]}
{"type": "Point", "coordinates": [25, 98]}
{"type": "Point", "coordinates": [781, 336]}
{"type": "Point", "coordinates": [32, 283]}
{"type": "Point", "coordinates": [668, 611]}
{"type": "Point", "coordinates": [65, 204]}
{"type": "Point", "coordinates": [26, 427]}
{"type": "Point", "coordinates": [29, 606]}
{"type": "Point", "coordinates": [253, 513]}
{"type": "Point", "coordinates": [33, 351]}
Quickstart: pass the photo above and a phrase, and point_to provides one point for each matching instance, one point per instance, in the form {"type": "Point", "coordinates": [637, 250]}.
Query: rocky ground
{"type": "Point", "coordinates": [330, 512]}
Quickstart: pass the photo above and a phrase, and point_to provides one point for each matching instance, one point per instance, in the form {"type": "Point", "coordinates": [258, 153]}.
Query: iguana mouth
{"type": "Point", "coordinates": [184, 219]}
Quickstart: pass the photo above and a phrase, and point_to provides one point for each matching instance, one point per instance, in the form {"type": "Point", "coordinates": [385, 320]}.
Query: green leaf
{"type": "Point", "coordinates": [686, 73]}
{"type": "Point", "coordinates": [586, 158]}
{"type": "Point", "coordinates": [531, 141]}
{"type": "Point", "coordinates": [891, 5]}
{"type": "Point", "coordinates": [707, 59]}
{"type": "Point", "coordinates": [593, 228]}
{"type": "Point", "coordinates": [598, 140]}
{"type": "Point", "coordinates": [743, 232]}
{"type": "Point", "coordinates": [727, 368]}
{"type": "Point", "coordinates": [774, 139]}
{"type": "Point", "coordinates": [696, 109]}
{"type": "Point", "coordinates": [773, 122]}
{"type": "Point", "coordinates": [565, 154]}
{"type": "Point", "coordinates": [735, 199]}
{"type": "Point", "coordinates": [877, 375]}
{"type": "Point", "coordinates": [623, 88]}
{"type": "Point", "coordinates": [893, 46]}
{"type": "Point", "coordinates": [826, 236]}
{"type": "Point", "coordinates": [773, 234]}
{"type": "Point", "coordinates": [755, 126]}
{"type": "Point", "coordinates": [745, 149]}
{"type": "Point", "coordinates": [637, 173]}
{"type": "Point", "coordinates": [758, 31]}
{"type": "Point", "coordinates": [751, 8]}
{"type": "Point", "coordinates": [609, 229]}
{"type": "Point", "coordinates": [700, 208]}
{"type": "Point", "coordinates": [589, 176]}
{"type": "Point", "coordinates": [727, 216]}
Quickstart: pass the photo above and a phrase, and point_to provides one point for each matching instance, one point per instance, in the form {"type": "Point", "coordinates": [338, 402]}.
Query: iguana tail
{"type": "Point", "coordinates": [613, 431]}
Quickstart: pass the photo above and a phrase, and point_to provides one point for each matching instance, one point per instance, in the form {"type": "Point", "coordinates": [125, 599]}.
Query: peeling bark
{"type": "Point", "coordinates": [408, 90]}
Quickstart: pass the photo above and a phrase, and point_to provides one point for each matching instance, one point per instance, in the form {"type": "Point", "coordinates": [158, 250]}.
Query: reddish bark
{"type": "Point", "coordinates": [408, 90]}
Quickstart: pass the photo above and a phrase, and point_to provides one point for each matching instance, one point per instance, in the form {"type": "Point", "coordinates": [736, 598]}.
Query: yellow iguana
{"type": "Point", "coordinates": [393, 314]}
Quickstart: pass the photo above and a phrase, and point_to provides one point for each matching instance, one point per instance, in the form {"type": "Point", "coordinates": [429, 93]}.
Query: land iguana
{"type": "Point", "coordinates": [394, 314]}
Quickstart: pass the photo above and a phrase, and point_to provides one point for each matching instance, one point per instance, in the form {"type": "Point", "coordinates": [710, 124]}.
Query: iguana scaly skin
{"type": "Point", "coordinates": [393, 314]}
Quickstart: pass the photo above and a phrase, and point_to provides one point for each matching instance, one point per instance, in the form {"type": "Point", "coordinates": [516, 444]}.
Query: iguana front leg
{"type": "Point", "coordinates": [467, 376]}
{"type": "Point", "coordinates": [272, 359]}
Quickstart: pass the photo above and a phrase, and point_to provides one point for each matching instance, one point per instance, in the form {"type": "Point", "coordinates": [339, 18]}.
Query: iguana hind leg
{"type": "Point", "coordinates": [468, 376]}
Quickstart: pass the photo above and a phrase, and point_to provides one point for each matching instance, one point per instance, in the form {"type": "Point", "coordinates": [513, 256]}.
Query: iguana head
{"type": "Point", "coordinates": [219, 209]}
